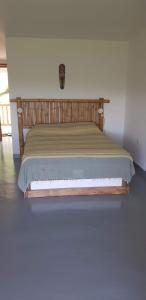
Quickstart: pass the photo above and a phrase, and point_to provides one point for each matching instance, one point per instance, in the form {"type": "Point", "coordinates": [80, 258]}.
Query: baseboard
{"type": "Point", "coordinates": [139, 170]}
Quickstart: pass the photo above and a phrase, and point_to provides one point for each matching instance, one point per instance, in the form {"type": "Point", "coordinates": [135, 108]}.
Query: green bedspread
{"type": "Point", "coordinates": [69, 151]}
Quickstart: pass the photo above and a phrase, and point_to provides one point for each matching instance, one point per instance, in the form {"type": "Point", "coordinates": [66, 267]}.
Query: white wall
{"type": "Point", "coordinates": [93, 69]}
{"type": "Point", "coordinates": [135, 117]}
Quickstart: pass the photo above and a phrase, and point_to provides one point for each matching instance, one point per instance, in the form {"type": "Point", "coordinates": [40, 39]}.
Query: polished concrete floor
{"type": "Point", "coordinates": [83, 248]}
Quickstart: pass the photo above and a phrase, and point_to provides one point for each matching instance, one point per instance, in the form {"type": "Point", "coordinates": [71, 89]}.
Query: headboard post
{"type": "Point", "coordinates": [20, 125]}
{"type": "Point", "coordinates": [101, 113]}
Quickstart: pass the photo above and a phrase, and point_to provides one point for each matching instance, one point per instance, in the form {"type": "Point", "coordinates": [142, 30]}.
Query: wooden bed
{"type": "Point", "coordinates": [54, 111]}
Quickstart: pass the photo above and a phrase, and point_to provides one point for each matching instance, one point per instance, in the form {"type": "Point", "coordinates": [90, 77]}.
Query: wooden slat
{"type": "Point", "coordinates": [124, 189]}
{"type": "Point", "coordinates": [54, 112]}
{"type": "Point", "coordinates": [3, 65]}
{"type": "Point", "coordinates": [5, 114]}
{"type": "Point", "coordinates": [63, 100]}
{"type": "Point", "coordinates": [0, 131]}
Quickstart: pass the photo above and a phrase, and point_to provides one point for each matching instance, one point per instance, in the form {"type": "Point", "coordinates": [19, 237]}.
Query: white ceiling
{"type": "Point", "coordinates": [80, 19]}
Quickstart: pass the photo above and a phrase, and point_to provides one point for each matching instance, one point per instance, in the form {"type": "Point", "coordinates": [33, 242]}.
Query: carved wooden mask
{"type": "Point", "coordinates": [62, 75]}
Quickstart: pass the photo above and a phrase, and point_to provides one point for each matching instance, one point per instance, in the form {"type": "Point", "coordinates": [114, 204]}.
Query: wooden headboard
{"type": "Point", "coordinates": [51, 111]}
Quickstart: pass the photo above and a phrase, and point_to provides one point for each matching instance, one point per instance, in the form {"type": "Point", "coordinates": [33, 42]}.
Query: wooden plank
{"type": "Point", "coordinates": [64, 100]}
{"type": "Point", "coordinates": [0, 132]}
{"type": "Point", "coordinates": [3, 65]}
{"type": "Point", "coordinates": [117, 190]}
{"type": "Point", "coordinates": [20, 125]}
{"type": "Point", "coordinates": [5, 114]}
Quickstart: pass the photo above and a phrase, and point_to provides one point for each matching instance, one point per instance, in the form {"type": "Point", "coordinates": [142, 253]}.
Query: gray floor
{"type": "Point", "coordinates": [83, 248]}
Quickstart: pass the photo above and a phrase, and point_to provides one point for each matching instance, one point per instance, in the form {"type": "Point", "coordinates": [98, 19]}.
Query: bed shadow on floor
{"type": "Point", "coordinates": [43, 205]}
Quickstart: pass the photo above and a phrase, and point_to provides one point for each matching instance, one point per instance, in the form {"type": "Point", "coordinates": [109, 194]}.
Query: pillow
{"type": "Point", "coordinates": [76, 128]}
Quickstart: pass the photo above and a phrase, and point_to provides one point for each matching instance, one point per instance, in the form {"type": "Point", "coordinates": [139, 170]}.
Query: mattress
{"type": "Point", "coordinates": [75, 183]}
{"type": "Point", "coordinates": [72, 151]}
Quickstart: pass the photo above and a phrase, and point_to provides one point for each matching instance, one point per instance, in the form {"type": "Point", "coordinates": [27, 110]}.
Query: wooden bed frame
{"type": "Point", "coordinates": [54, 111]}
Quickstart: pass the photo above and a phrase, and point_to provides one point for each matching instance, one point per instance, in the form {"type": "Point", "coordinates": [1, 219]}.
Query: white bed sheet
{"type": "Point", "coordinates": [76, 183]}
